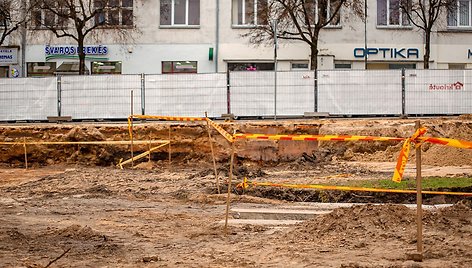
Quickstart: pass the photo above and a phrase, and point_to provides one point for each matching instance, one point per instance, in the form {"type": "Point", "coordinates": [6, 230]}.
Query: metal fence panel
{"type": "Point", "coordinates": [360, 92]}
{"type": "Point", "coordinates": [438, 92]}
{"type": "Point", "coordinates": [28, 98]}
{"type": "Point", "coordinates": [252, 93]}
{"type": "Point", "coordinates": [295, 92]}
{"type": "Point", "coordinates": [100, 96]}
{"type": "Point", "coordinates": [186, 94]}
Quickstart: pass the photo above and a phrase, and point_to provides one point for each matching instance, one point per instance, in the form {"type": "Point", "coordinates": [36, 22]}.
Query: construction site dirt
{"type": "Point", "coordinates": [73, 207]}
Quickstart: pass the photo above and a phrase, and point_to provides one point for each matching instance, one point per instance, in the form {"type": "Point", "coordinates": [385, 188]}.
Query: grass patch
{"type": "Point", "coordinates": [431, 183]}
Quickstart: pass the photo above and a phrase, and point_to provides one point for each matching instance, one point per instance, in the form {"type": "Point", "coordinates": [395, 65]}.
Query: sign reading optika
{"type": "Point", "coordinates": [386, 52]}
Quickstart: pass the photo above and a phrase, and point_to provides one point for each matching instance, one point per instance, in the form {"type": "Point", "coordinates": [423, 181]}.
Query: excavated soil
{"type": "Point", "coordinates": [73, 208]}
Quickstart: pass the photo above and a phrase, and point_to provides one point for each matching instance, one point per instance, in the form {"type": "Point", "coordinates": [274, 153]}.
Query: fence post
{"type": "Point", "coordinates": [316, 92]}
{"type": "Point", "coordinates": [143, 97]}
{"type": "Point", "coordinates": [59, 95]}
{"type": "Point", "coordinates": [403, 93]}
{"type": "Point", "coordinates": [228, 93]}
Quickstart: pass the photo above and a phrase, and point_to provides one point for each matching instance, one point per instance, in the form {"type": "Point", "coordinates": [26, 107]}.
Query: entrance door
{"type": "Point", "coordinates": [3, 71]}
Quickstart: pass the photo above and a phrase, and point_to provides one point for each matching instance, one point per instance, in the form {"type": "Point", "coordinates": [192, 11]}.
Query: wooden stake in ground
{"type": "Point", "coordinates": [132, 149]}
{"type": "Point", "coordinates": [228, 198]}
{"type": "Point", "coordinates": [213, 156]}
{"type": "Point", "coordinates": [170, 152]}
{"type": "Point", "coordinates": [419, 201]}
{"type": "Point", "coordinates": [26, 154]}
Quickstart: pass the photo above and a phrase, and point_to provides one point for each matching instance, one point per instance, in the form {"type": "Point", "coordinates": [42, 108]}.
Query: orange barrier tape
{"type": "Point", "coordinates": [223, 132]}
{"type": "Point", "coordinates": [245, 184]}
{"type": "Point", "coordinates": [314, 137]}
{"type": "Point", "coordinates": [402, 158]}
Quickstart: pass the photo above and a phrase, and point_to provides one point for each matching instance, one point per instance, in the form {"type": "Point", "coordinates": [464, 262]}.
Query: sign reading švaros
{"type": "Point", "coordinates": [91, 52]}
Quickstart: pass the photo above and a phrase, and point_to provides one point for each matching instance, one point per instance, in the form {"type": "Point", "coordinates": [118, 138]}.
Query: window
{"type": "Point", "coordinates": [4, 19]}
{"type": "Point", "coordinates": [54, 16]}
{"type": "Point", "coordinates": [114, 12]}
{"type": "Point", "coordinates": [299, 66]}
{"type": "Point", "coordinates": [250, 12]}
{"type": "Point", "coordinates": [389, 13]}
{"type": "Point", "coordinates": [330, 10]}
{"type": "Point", "coordinates": [41, 68]}
{"type": "Point", "coordinates": [106, 67]}
{"type": "Point", "coordinates": [250, 66]}
{"type": "Point", "coordinates": [171, 67]}
{"type": "Point", "coordinates": [456, 66]}
{"type": "Point", "coordinates": [342, 65]}
{"type": "Point", "coordinates": [180, 12]}
{"type": "Point", "coordinates": [460, 14]}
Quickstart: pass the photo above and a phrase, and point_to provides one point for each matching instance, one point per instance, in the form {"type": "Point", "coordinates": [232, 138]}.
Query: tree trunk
{"type": "Point", "coordinates": [427, 49]}
{"type": "Point", "coordinates": [314, 56]}
{"type": "Point", "coordinates": [81, 56]}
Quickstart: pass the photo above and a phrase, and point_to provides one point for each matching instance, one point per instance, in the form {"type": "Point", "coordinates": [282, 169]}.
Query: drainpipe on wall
{"type": "Point", "coordinates": [217, 34]}
{"type": "Point", "coordinates": [23, 40]}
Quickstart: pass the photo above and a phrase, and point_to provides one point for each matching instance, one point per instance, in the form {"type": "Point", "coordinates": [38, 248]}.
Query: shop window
{"type": "Point", "coordinates": [41, 68]}
{"type": "Point", "coordinates": [456, 66]}
{"type": "Point", "coordinates": [394, 66]}
{"type": "Point", "coordinates": [390, 13]}
{"type": "Point", "coordinates": [460, 14]}
{"type": "Point", "coordinates": [250, 12]}
{"type": "Point", "coordinates": [299, 66]}
{"type": "Point", "coordinates": [342, 65]}
{"type": "Point", "coordinates": [250, 66]}
{"type": "Point", "coordinates": [70, 68]}
{"type": "Point", "coordinates": [106, 67]}
{"type": "Point", "coordinates": [171, 67]}
{"type": "Point", "coordinates": [180, 12]}
{"type": "Point", "coordinates": [114, 12]}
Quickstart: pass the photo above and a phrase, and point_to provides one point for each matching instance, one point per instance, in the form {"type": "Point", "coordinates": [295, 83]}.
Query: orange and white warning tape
{"type": "Point", "coordinates": [245, 184]}
{"type": "Point", "coordinates": [314, 137]}
{"type": "Point", "coordinates": [404, 153]}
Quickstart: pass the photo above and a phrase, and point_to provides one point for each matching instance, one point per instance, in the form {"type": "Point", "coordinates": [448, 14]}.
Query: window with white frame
{"type": "Point", "coordinates": [114, 12]}
{"type": "Point", "coordinates": [390, 13]}
{"type": "Point", "coordinates": [180, 12]}
{"type": "Point", "coordinates": [331, 7]}
{"type": "Point", "coordinates": [249, 12]}
{"type": "Point", "coordinates": [459, 15]}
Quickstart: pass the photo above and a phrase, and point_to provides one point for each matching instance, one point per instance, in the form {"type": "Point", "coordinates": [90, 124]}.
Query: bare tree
{"type": "Point", "coordinates": [78, 19]}
{"type": "Point", "coordinates": [13, 15]}
{"type": "Point", "coordinates": [300, 20]}
{"type": "Point", "coordinates": [424, 14]}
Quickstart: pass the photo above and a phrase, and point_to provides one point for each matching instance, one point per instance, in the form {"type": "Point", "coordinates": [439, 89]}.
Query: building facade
{"type": "Point", "coordinates": [205, 36]}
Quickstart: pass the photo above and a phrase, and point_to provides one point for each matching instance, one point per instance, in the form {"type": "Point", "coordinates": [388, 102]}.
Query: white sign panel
{"type": "Point", "coordinates": [8, 56]}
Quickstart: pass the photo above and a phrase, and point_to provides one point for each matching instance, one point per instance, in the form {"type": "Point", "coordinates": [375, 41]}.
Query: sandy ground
{"type": "Point", "coordinates": [74, 208]}
{"type": "Point", "coordinates": [106, 217]}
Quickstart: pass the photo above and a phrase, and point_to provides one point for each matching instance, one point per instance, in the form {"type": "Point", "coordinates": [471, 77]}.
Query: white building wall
{"type": "Point", "coordinates": [151, 43]}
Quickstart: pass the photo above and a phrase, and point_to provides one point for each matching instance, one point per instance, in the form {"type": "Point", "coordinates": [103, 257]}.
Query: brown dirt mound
{"type": "Point", "coordinates": [77, 232]}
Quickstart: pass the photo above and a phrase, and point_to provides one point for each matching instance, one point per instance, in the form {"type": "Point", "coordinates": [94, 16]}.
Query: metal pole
{"type": "Point", "coordinates": [59, 95]}
{"type": "Point", "coordinates": [26, 153]}
{"type": "Point", "coordinates": [228, 198]}
{"type": "Point", "coordinates": [365, 34]}
{"type": "Point", "coordinates": [143, 96]}
{"type": "Point", "coordinates": [170, 151]}
{"type": "Point", "coordinates": [217, 33]}
{"type": "Point", "coordinates": [275, 69]}
{"type": "Point", "coordinates": [316, 92]}
{"type": "Point", "coordinates": [132, 138]}
{"type": "Point", "coordinates": [419, 201]}
{"type": "Point", "coordinates": [228, 92]}
{"type": "Point", "coordinates": [403, 93]}
{"type": "Point", "coordinates": [23, 39]}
